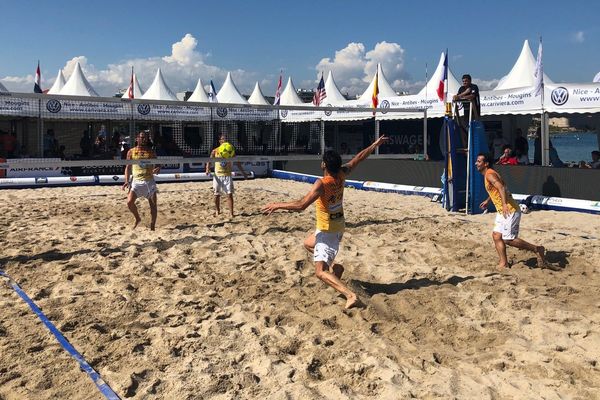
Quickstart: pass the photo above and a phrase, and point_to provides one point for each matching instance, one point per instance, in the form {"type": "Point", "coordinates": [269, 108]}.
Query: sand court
{"type": "Point", "coordinates": [213, 307]}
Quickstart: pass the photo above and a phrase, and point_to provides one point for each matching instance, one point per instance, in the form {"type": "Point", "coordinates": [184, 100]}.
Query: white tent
{"type": "Point", "coordinates": [334, 96]}
{"type": "Point", "coordinates": [385, 90]}
{"type": "Point", "coordinates": [78, 85]}
{"type": "Point", "coordinates": [229, 92]}
{"type": "Point", "coordinates": [3, 89]}
{"type": "Point", "coordinates": [522, 73]}
{"type": "Point", "coordinates": [257, 96]}
{"type": "Point", "coordinates": [289, 96]}
{"type": "Point", "coordinates": [59, 83]}
{"type": "Point", "coordinates": [431, 88]}
{"type": "Point", "coordinates": [597, 78]}
{"type": "Point", "coordinates": [137, 91]}
{"type": "Point", "coordinates": [159, 90]}
{"type": "Point", "coordinates": [199, 94]}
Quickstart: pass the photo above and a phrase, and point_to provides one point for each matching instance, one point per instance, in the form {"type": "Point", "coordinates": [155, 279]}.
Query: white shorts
{"type": "Point", "coordinates": [222, 185]}
{"type": "Point", "coordinates": [509, 226]}
{"type": "Point", "coordinates": [327, 245]}
{"type": "Point", "coordinates": [144, 188]}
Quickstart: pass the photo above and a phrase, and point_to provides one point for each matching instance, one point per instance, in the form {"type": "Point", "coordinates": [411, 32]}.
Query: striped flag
{"type": "Point", "coordinates": [320, 93]}
{"type": "Point", "coordinates": [375, 96]}
{"type": "Point", "coordinates": [37, 88]}
{"type": "Point", "coordinates": [441, 86]}
{"type": "Point", "coordinates": [278, 92]}
{"type": "Point", "coordinates": [130, 90]}
{"type": "Point", "coordinates": [212, 93]}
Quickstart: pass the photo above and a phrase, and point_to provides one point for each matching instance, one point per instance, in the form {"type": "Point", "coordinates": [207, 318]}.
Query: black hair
{"type": "Point", "coordinates": [467, 76]}
{"type": "Point", "coordinates": [333, 161]}
{"type": "Point", "coordinates": [596, 152]}
{"type": "Point", "coordinates": [506, 146]}
{"type": "Point", "coordinates": [486, 158]}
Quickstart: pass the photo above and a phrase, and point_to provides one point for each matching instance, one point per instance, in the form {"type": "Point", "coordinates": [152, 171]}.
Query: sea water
{"type": "Point", "coordinates": [572, 146]}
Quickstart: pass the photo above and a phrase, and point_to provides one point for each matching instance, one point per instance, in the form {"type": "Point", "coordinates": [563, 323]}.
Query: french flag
{"type": "Point", "coordinates": [38, 77]}
{"type": "Point", "coordinates": [443, 79]}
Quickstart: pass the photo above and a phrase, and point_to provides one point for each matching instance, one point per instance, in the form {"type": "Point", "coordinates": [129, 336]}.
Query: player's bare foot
{"type": "Point", "coordinates": [351, 301]}
{"type": "Point", "coordinates": [338, 270]}
{"type": "Point", "coordinates": [137, 222]}
{"type": "Point", "coordinates": [152, 227]}
{"type": "Point", "coordinates": [541, 256]}
{"type": "Point", "coordinates": [503, 267]}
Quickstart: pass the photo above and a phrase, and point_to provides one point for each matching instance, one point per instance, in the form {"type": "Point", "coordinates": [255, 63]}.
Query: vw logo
{"type": "Point", "coordinates": [222, 112]}
{"type": "Point", "coordinates": [144, 109]}
{"type": "Point", "coordinates": [385, 104]}
{"type": "Point", "coordinates": [559, 96]}
{"type": "Point", "coordinates": [284, 113]}
{"type": "Point", "coordinates": [53, 106]}
{"type": "Point", "coordinates": [328, 112]}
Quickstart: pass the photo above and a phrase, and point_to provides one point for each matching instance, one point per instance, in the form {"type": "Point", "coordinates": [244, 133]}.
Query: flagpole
{"type": "Point", "coordinates": [425, 116]}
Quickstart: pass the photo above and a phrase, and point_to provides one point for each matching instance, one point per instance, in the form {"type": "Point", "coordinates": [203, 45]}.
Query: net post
{"type": "Point", "coordinates": [322, 137]}
{"type": "Point", "coordinates": [376, 134]}
{"type": "Point", "coordinates": [425, 133]}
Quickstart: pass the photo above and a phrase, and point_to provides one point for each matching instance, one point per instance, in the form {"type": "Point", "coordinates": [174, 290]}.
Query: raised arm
{"type": "Point", "coordinates": [298, 205]}
{"type": "Point", "coordinates": [363, 154]}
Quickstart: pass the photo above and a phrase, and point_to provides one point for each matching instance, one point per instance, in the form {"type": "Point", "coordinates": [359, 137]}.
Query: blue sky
{"type": "Point", "coordinates": [255, 39]}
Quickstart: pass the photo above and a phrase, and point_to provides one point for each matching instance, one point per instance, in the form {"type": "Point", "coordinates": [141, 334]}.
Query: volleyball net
{"type": "Point", "coordinates": [47, 136]}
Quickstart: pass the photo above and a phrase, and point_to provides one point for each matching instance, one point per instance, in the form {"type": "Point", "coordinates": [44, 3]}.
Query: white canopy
{"type": "Point", "coordinates": [289, 96]}
{"type": "Point", "coordinates": [229, 92]}
{"type": "Point", "coordinates": [137, 91]}
{"type": "Point", "coordinates": [522, 73]}
{"type": "Point", "coordinates": [385, 90]}
{"type": "Point", "coordinates": [597, 77]}
{"type": "Point", "coordinates": [257, 96]}
{"type": "Point", "coordinates": [78, 85]}
{"type": "Point", "coordinates": [199, 94]}
{"type": "Point", "coordinates": [334, 96]}
{"type": "Point", "coordinates": [431, 88]}
{"type": "Point", "coordinates": [59, 83]}
{"type": "Point", "coordinates": [159, 90]}
{"type": "Point", "coordinates": [3, 89]}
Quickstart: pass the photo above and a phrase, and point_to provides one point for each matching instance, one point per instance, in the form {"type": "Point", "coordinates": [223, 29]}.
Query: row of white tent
{"type": "Point", "coordinates": [521, 75]}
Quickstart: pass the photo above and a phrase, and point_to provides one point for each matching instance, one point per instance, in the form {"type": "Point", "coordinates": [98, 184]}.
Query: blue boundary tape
{"type": "Point", "coordinates": [68, 347]}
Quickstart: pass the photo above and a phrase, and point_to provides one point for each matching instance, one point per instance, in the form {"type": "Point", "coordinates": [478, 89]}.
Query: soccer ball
{"type": "Point", "coordinates": [226, 150]}
{"type": "Point", "coordinates": [524, 208]}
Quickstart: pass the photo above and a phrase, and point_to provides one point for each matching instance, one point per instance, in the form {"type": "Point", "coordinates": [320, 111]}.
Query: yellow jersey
{"type": "Point", "coordinates": [329, 206]}
{"type": "Point", "coordinates": [142, 173]}
{"type": "Point", "coordinates": [222, 168]}
{"type": "Point", "coordinates": [495, 194]}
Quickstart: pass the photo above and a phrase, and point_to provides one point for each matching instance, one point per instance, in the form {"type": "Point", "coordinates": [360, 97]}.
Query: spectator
{"type": "Point", "coordinates": [498, 144]}
{"type": "Point", "coordinates": [50, 144]}
{"type": "Point", "coordinates": [595, 160]}
{"type": "Point", "coordinates": [521, 147]}
{"type": "Point", "coordinates": [507, 157]}
{"type": "Point", "coordinates": [555, 161]}
{"type": "Point", "coordinates": [85, 144]}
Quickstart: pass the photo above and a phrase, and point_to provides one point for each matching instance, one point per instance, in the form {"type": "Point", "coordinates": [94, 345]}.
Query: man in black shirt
{"type": "Point", "coordinates": [469, 93]}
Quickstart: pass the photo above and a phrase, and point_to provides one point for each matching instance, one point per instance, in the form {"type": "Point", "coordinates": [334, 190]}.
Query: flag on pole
{"type": "Point", "coordinates": [538, 85]}
{"type": "Point", "coordinates": [37, 88]}
{"type": "Point", "coordinates": [278, 92]}
{"type": "Point", "coordinates": [320, 93]}
{"type": "Point", "coordinates": [212, 93]}
{"type": "Point", "coordinates": [442, 85]}
{"type": "Point", "coordinates": [375, 96]}
{"type": "Point", "coordinates": [130, 90]}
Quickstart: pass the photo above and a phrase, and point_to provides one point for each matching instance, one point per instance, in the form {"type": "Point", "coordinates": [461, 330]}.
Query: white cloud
{"type": "Point", "coordinates": [353, 67]}
{"type": "Point", "coordinates": [181, 70]}
{"type": "Point", "coordinates": [578, 37]}
{"type": "Point", "coordinates": [486, 84]}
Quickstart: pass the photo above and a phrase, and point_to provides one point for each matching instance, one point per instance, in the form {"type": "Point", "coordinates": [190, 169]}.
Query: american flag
{"type": "Point", "coordinates": [320, 93]}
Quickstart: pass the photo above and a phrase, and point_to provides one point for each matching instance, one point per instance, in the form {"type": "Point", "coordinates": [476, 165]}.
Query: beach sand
{"type": "Point", "coordinates": [215, 308]}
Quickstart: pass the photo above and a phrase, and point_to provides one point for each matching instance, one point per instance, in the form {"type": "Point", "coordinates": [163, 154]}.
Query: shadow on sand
{"type": "Point", "coordinates": [371, 289]}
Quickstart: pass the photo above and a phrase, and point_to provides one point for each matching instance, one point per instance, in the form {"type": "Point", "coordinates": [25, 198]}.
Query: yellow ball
{"type": "Point", "coordinates": [226, 150]}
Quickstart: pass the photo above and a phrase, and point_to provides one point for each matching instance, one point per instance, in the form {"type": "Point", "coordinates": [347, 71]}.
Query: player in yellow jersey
{"type": "Point", "coordinates": [222, 178]}
{"type": "Point", "coordinates": [142, 183]}
{"type": "Point", "coordinates": [328, 193]}
{"type": "Point", "coordinates": [508, 217]}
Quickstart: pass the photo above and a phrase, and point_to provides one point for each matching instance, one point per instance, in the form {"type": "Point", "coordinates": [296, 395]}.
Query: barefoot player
{"type": "Point", "coordinates": [328, 192]}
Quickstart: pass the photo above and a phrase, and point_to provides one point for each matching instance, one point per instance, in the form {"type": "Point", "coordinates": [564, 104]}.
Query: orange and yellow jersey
{"type": "Point", "coordinates": [142, 173]}
{"type": "Point", "coordinates": [495, 195]}
{"type": "Point", "coordinates": [222, 168]}
{"type": "Point", "coordinates": [329, 206]}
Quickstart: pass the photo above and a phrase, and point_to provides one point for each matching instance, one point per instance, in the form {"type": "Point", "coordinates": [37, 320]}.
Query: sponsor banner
{"type": "Point", "coordinates": [161, 112]}
{"type": "Point", "coordinates": [258, 168]}
{"type": "Point", "coordinates": [33, 172]}
{"type": "Point", "coordinates": [75, 109]}
{"type": "Point", "coordinates": [243, 114]}
{"type": "Point", "coordinates": [572, 97]}
{"type": "Point", "coordinates": [510, 101]}
{"type": "Point", "coordinates": [25, 107]}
